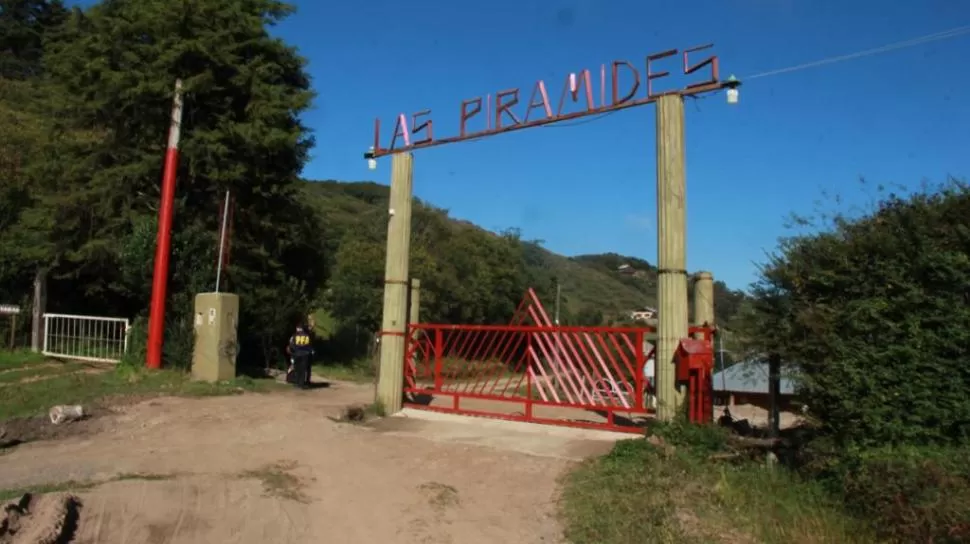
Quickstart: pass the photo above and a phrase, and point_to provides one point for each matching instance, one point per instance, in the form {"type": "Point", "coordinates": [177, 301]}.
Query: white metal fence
{"type": "Point", "coordinates": [85, 338]}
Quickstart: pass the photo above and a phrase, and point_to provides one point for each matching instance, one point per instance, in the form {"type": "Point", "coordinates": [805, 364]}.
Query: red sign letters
{"type": "Point", "coordinates": [507, 111]}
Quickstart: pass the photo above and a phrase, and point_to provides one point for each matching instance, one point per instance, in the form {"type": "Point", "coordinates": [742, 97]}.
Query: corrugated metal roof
{"type": "Point", "coordinates": [751, 377]}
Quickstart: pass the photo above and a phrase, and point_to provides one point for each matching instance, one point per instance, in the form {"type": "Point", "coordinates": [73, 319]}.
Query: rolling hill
{"type": "Point", "coordinates": [594, 290]}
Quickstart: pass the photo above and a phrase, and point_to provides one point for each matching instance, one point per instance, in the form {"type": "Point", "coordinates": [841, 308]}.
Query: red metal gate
{"type": "Point", "coordinates": [537, 372]}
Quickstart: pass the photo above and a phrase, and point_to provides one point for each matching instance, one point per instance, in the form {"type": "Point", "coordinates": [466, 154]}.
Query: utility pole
{"type": "Point", "coordinates": [222, 240]}
{"type": "Point", "coordinates": [774, 388]}
{"type": "Point", "coordinates": [558, 337]}
{"type": "Point", "coordinates": [396, 286]}
{"type": "Point", "coordinates": [671, 254]}
{"type": "Point", "coordinates": [558, 295]}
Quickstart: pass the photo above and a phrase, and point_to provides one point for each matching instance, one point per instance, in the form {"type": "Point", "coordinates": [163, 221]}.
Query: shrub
{"type": "Point", "coordinates": [876, 313]}
{"type": "Point", "coordinates": [911, 495]}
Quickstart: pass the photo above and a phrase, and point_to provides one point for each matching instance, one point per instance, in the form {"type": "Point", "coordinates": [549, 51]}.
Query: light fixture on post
{"type": "Point", "coordinates": [732, 85]}
{"type": "Point", "coordinates": [371, 160]}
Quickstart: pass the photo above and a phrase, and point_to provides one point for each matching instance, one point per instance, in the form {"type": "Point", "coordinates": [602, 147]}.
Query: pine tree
{"type": "Point", "coordinates": [244, 92]}
{"type": "Point", "coordinates": [23, 25]}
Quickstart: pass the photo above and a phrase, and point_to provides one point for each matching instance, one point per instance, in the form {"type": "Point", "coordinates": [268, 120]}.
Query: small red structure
{"type": "Point", "coordinates": [695, 366]}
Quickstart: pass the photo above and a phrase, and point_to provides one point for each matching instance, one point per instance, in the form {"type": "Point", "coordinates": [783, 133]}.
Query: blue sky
{"type": "Point", "coordinates": [895, 118]}
{"type": "Point", "coordinates": [899, 118]}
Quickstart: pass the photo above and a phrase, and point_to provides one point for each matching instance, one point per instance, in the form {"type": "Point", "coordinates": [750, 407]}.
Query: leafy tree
{"type": "Point", "coordinates": [876, 314]}
{"type": "Point", "coordinates": [25, 132]}
{"type": "Point", "coordinates": [244, 90]}
{"type": "Point", "coordinates": [23, 25]}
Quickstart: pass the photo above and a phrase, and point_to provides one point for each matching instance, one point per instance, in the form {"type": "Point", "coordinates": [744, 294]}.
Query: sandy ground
{"type": "Point", "coordinates": [759, 416]}
{"type": "Point", "coordinates": [276, 468]}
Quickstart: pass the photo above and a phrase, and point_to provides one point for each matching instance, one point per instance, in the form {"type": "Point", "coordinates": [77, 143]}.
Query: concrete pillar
{"type": "Point", "coordinates": [216, 337]}
{"type": "Point", "coordinates": [671, 251]}
{"type": "Point", "coordinates": [390, 381]}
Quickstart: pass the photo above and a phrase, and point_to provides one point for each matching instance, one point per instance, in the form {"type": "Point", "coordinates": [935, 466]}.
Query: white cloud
{"type": "Point", "coordinates": [640, 221]}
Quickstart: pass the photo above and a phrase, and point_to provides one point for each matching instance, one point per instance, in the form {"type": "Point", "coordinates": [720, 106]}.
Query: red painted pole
{"type": "Point", "coordinates": [156, 321]}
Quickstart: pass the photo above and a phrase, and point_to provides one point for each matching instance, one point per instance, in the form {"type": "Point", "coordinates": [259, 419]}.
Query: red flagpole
{"type": "Point", "coordinates": [156, 321]}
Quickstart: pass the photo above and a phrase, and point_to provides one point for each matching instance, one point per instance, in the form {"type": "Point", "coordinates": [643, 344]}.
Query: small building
{"type": "Point", "coordinates": [645, 314]}
{"type": "Point", "coordinates": [747, 383]}
{"type": "Point", "coordinates": [626, 269]}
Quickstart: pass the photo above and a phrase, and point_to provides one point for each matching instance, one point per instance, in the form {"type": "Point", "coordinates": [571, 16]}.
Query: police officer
{"type": "Point", "coordinates": [301, 350]}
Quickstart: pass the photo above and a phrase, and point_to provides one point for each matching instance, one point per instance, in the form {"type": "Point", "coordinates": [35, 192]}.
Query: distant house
{"type": "Point", "coordinates": [747, 383]}
{"type": "Point", "coordinates": [645, 314]}
{"type": "Point", "coordinates": [626, 269]}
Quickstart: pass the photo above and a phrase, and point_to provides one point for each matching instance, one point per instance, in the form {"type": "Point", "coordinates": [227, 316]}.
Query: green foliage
{"type": "Point", "coordinates": [468, 275]}
{"type": "Point", "coordinates": [875, 312]}
{"type": "Point", "coordinates": [911, 495]}
{"type": "Point", "coordinates": [23, 25]}
{"type": "Point", "coordinates": [702, 439]}
{"type": "Point", "coordinates": [85, 202]}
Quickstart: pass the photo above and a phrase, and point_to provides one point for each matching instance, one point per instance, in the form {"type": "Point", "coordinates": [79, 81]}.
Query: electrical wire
{"type": "Point", "coordinates": [937, 36]}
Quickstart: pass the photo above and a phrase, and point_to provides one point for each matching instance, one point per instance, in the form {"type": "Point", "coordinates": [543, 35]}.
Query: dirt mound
{"type": "Point", "coordinates": [42, 519]}
{"type": "Point", "coordinates": [21, 430]}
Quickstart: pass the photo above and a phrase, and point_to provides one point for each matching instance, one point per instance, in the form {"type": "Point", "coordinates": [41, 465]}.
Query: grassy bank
{"type": "Point", "coordinates": [30, 384]}
{"type": "Point", "coordinates": [676, 492]}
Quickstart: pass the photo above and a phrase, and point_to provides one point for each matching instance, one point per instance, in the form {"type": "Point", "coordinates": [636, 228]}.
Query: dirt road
{"type": "Point", "coordinates": [276, 468]}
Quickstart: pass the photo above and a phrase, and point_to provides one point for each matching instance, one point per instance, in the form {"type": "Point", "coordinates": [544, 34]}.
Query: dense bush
{"type": "Point", "coordinates": [876, 313]}
{"type": "Point", "coordinates": [911, 495]}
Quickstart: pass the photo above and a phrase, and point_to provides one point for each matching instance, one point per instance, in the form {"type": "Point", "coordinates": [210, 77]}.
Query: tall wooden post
{"type": "Point", "coordinates": [414, 317]}
{"type": "Point", "coordinates": [414, 303]}
{"type": "Point", "coordinates": [703, 300]}
{"type": "Point", "coordinates": [394, 323]}
{"type": "Point", "coordinates": [774, 389]}
{"type": "Point", "coordinates": [37, 331]}
{"type": "Point", "coordinates": [671, 255]}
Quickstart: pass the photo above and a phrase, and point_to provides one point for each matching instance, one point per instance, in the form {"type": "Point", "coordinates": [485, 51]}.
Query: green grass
{"type": "Point", "coordinates": [36, 397]}
{"type": "Point", "coordinates": [75, 486]}
{"type": "Point", "coordinates": [640, 493]}
{"type": "Point", "coordinates": [358, 371]}
{"type": "Point", "coordinates": [278, 481]}
{"type": "Point", "coordinates": [17, 359]}
{"type": "Point", "coordinates": [40, 371]}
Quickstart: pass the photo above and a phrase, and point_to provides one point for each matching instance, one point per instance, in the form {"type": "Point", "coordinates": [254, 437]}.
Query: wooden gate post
{"type": "Point", "coordinates": [414, 303]}
{"type": "Point", "coordinates": [390, 380]}
{"type": "Point", "coordinates": [671, 255]}
{"type": "Point", "coordinates": [703, 301]}
{"type": "Point", "coordinates": [37, 331]}
{"type": "Point", "coordinates": [414, 317]}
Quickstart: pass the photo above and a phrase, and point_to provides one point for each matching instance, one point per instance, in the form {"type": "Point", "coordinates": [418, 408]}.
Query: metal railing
{"type": "Point", "coordinates": [85, 337]}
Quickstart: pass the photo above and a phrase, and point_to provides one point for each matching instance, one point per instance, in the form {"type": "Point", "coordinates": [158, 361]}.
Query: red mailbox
{"type": "Point", "coordinates": [695, 366]}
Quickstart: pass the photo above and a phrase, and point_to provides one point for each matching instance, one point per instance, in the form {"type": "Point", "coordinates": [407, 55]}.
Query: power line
{"type": "Point", "coordinates": [946, 34]}
{"type": "Point", "coordinates": [912, 42]}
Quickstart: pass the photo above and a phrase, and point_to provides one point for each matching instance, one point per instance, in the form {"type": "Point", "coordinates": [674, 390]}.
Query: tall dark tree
{"type": "Point", "coordinates": [244, 92]}
{"type": "Point", "coordinates": [23, 25]}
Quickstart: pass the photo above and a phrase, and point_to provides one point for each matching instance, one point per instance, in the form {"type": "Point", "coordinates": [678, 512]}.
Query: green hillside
{"type": "Point", "coordinates": [470, 274]}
